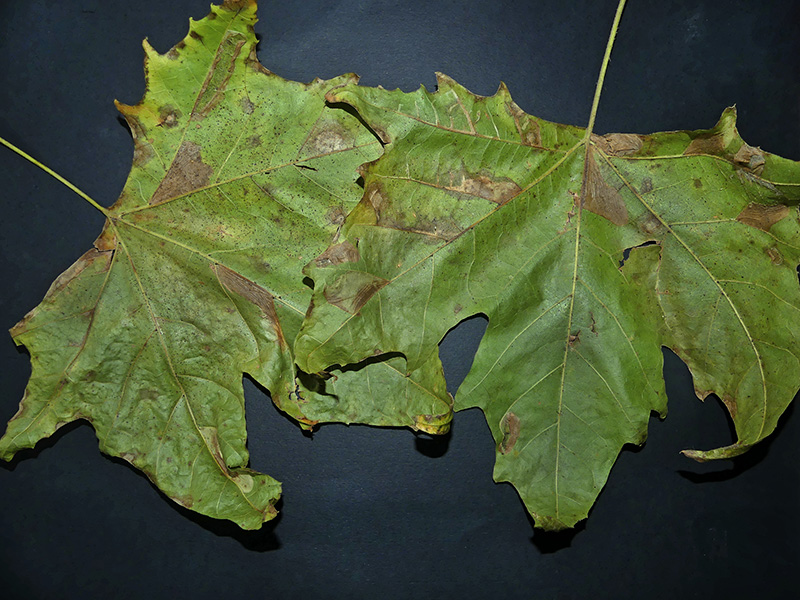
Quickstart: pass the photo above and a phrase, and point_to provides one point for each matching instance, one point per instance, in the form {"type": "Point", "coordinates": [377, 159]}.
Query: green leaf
{"type": "Point", "coordinates": [479, 208]}
{"type": "Point", "coordinates": [239, 177]}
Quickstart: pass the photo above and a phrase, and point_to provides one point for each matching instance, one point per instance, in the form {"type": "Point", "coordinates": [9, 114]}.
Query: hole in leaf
{"type": "Point", "coordinates": [627, 252]}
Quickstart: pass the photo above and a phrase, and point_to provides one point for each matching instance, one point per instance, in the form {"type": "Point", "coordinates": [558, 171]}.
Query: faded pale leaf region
{"type": "Point", "coordinates": [478, 208]}
{"type": "Point", "coordinates": [239, 177]}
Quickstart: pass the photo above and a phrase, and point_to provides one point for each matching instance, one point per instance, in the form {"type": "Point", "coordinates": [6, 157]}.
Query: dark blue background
{"type": "Point", "coordinates": [371, 513]}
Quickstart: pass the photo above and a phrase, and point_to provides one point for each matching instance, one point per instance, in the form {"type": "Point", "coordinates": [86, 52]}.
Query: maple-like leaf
{"type": "Point", "coordinates": [239, 177]}
{"type": "Point", "coordinates": [587, 253]}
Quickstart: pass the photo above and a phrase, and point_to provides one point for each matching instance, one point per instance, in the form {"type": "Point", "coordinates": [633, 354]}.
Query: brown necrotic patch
{"type": "Point", "coordinates": [336, 215]}
{"type": "Point", "coordinates": [763, 216]}
{"type": "Point", "coordinates": [730, 403]}
{"type": "Point", "coordinates": [495, 189]}
{"type": "Point", "coordinates": [247, 106]}
{"type": "Point", "coordinates": [338, 254]}
{"type": "Point", "coordinates": [330, 138]}
{"type": "Point", "coordinates": [252, 292]}
{"type": "Point", "coordinates": [213, 88]}
{"type": "Point", "coordinates": [618, 144]}
{"type": "Point", "coordinates": [510, 428]}
{"type": "Point", "coordinates": [750, 158]}
{"type": "Point", "coordinates": [601, 198]}
{"type": "Point", "coordinates": [527, 126]}
{"type": "Point", "coordinates": [774, 255]}
{"type": "Point", "coordinates": [712, 143]}
{"type": "Point", "coordinates": [385, 214]}
{"type": "Point", "coordinates": [187, 173]}
{"type": "Point", "coordinates": [353, 289]}
{"type": "Point", "coordinates": [142, 150]}
{"type": "Point", "coordinates": [168, 116]}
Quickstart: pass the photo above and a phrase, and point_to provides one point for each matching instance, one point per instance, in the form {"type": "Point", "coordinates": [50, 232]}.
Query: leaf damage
{"type": "Point", "coordinates": [585, 330]}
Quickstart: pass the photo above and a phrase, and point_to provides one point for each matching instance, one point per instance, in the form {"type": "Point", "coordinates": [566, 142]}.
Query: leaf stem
{"type": "Point", "coordinates": [50, 171]}
{"type": "Point", "coordinates": [603, 67]}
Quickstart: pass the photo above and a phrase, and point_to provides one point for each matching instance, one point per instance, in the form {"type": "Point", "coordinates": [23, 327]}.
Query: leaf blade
{"type": "Point", "coordinates": [584, 211]}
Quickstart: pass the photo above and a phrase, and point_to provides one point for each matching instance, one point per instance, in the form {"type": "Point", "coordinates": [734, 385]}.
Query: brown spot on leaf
{"type": "Point", "coordinates": [750, 158]}
{"type": "Point", "coordinates": [647, 186]}
{"type": "Point", "coordinates": [254, 141]}
{"type": "Point", "coordinates": [649, 224]}
{"type": "Point", "coordinates": [174, 52]}
{"type": "Point", "coordinates": [247, 106]}
{"type": "Point", "coordinates": [213, 88]}
{"type": "Point", "coordinates": [168, 116]}
{"type": "Point", "coordinates": [252, 292]}
{"type": "Point", "coordinates": [618, 144]}
{"type": "Point", "coordinates": [697, 183]}
{"type": "Point", "coordinates": [527, 126]}
{"type": "Point", "coordinates": [774, 255]}
{"type": "Point", "coordinates": [142, 150]}
{"type": "Point", "coordinates": [236, 5]}
{"type": "Point", "coordinates": [211, 440]}
{"type": "Point", "coordinates": [509, 427]}
{"type": "Point", "coordinates": [457, 309]}
{"type": "Point", "coordinates": [602, 198]}
{"type": "Point", "coordinates": [338, 254]}
{"type": "Point", "coordinates": [336, 215]}
{"type": "Point", "coordinates": [375, 199]}
{"type": "Point", "coordinates": [730, 403]}
{"type": "Point", "coordinates": [763, 216]}
{"type": "Point", "coordinates": [707, 143]}
{"type": "Point", "coordinates": [131, 457]}
{"type": "Point", "coordinates": [185, 501]}
{"type": "Point", "coordinates": [433, 424]}
{"type": "Point", "coordinates": [187, 173]}
{"type": "Point", "coordinates": [574, 339]}
{"type": "Point", "coordinates": [498, 190]}
{"type": "Point", "coordinates": [353, 289]}
{"type": "Point", "coordinates": [330, 139]}
{"type": "Point", "coordinates": [437, 229]}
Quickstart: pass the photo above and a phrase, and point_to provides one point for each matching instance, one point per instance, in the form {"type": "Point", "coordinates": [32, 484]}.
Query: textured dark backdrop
{"type": "Point", "coordinates": [371, 513]}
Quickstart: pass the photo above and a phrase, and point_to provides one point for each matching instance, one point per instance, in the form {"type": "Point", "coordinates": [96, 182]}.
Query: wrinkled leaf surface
{"type": "Point", "coordinates": [239, 177]}
{"type": "Point", "coordinates": [479, 208]}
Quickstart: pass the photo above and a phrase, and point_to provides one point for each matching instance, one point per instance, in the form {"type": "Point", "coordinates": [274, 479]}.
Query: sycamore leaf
{"type": "Point", "coordinates": [587, 253]}
{"type": "Point", "coordinates": [238, 178]}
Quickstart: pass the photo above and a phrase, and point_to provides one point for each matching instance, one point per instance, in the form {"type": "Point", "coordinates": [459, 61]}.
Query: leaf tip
{"type": "Point", "coordinates": [503, 91]}
{"type": "Point", "coordinates": [548, 523]}
{"type": "Point", "coordinates": [717, 453]}
{"type": "Point", "coordinates": [149, 51]}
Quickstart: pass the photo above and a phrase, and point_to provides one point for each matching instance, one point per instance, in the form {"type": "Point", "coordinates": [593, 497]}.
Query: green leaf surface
{"type": "Point", "coordinates": [587, 253]}
{"type": "Point", "coordinates": [239, 177]}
